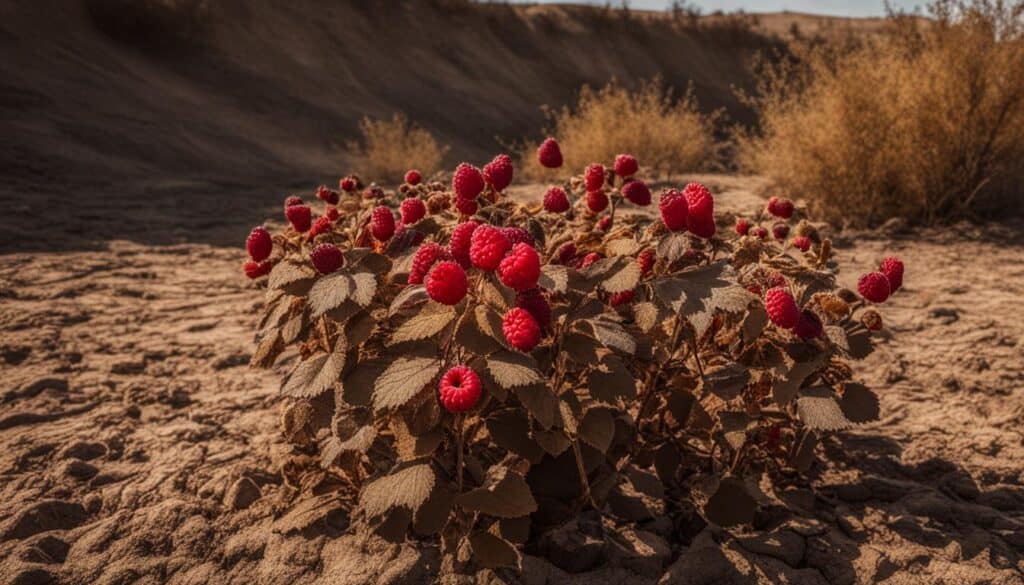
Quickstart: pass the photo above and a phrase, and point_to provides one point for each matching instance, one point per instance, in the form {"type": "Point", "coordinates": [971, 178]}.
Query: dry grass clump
{"type": "Point", "coordinates": [391, 147]}
{"type": "Point", "coordinates": [666, 134]}
{"type": "Point", "coordinates": [925, 121]}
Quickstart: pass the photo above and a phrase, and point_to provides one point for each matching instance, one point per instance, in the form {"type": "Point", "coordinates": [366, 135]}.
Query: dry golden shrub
{"type": "Point", "coordinates": [924, 121]}
{"type": "Point", "coordinates": [664, 133]}
{"type": "Point", "coordinates": [391, 147]}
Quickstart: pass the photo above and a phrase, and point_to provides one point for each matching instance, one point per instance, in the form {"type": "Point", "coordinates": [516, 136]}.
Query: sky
{"type": "Point", "coordinates": [832, 7]}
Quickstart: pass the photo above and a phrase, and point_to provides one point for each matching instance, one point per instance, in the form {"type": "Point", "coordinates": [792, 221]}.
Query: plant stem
{"type": "Point", "coordinates": [459, 441]}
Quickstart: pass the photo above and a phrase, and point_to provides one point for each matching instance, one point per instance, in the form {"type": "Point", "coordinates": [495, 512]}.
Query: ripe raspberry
{"type": "Point", "coordinates": [446, 283]}
{"type": "Point", "coordinates": [487, 247]}
{"type": "Point", "coordinates": [521, 330]}
{"type": "Point", "coordinates": [328, 195]}
{"type": "Point", "coordinates": [605, 223]}
{"type": "Point", "coordinates": [498, 172]}
{"type": "Point", "coordinates": [597, 201]}
{"type": "Point", "coordinates": [621, 298]}
{"type": "Point", "coordinates": [413, 177]}
{"type": "Point", "coordinates": [700, 218]}
{"type": "Point", "coordinates": [300, 216]}
{"type": "Point", "coordinates": [326, 258]}
{"type": "Point", "coordinates": [802, 243]}
{"type": "Point", "coordinates": [674, 210]}
{"type": "Point", "coordinates": [518, 235]}
{"type": "Point", "coordinates": [626, 165]}
{"type": "Point", "coordinates": [254, 269]}
{"type": "Point", "coordinates": [466, 207]}
{"type": "Point", "coordinates": [549, 155]}
{"type": "Point", "coordinates": [412, 210]}
{"type": "Point", "coordinates": [520, 268]}
{"type": "Point", "coordinates": [424, 259]}
{"type": "Point", "coordinates": [594, 176]}
{"type": "Point", "coordinates": [556, 201]}
{"type": "Point", "coordinates": [467, 182]}
{"type": "Point", "coordinates": [874, 286]}
{"type": "Point", "coordinates": [293, 200]}
{"type": "Point", "coordinates": [780, 207]}
{"type": "Point", "coordinates": [759, 232]}
{"type": "Point", "coordinates": [637, 193]}
{"type": "Point", "coordinates": [892, 268]}
{"type": "Point", "coordinates": [460, 242]}
{"type": "Point", "coordinates": [742, 227]}
{"type": "Point", "coordinates": [646, 261]}
{"type": "Point", "coordinates": [459, 389]}
{"type": "Point", "coordinates": [348, 184]}
{"type": "Point", "coordinates": [590, 259]}
{"type": "Point", "coordinates": [259, 244]}
{"type": "Point", "coordinates": [382, 223]}
{"type": "Point", "coordinates": [808, 326]}
{"type": "Point", "coordinates": [781, 307]}
{"type": "Point", "coordinates": [566, 252]}
{"type": "Point", "coordinates": [532, 299]}
{"type": "Point", "coordinates": [780, 231]}
{"type": "Point", "coordinates": [322, 225]}
{"type": "Point", "coordinates": [333, 214]}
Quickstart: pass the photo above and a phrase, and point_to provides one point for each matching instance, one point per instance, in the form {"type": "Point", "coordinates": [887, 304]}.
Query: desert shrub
{"type": "Point", "coordinates": [152, 24]}
{"type": "Point", "coordinates": [390, 147]}
{"type": "Point", "coordinates": [924, 121]}
{"type": "Point", "coordinates": [622, 365]}
{"type": "Point", "coordinates": [667, 133]}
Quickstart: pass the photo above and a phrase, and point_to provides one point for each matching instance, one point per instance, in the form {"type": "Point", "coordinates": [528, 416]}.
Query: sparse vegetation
{"type": "Point", "coordinates": [924, 121]}
{"type": "Point", "coordinates": [390, 147]}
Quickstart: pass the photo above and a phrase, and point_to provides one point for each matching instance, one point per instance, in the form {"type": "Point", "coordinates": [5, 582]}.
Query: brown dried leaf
{"type": "Point", "coordinates": [403, 379]}
{"type": "Point", "coordinates": [818, 409]}
{"type": "Point", "coordinates": [541, 402]}
{"type": "Point", "coordinates": [410, 298]}
{"type": "Point", "coordinates": [611, 380]}
{"type": "Point", "coordinates": [785, 388]}
{"type": "Point", "coordinates": [510, 429]}
{"type": "Point", "coordinates": [408, 487]}
{"type": "Point", "coordinates": [316, 374]}
{"type": "Point", "coordinates": [288, 272]}
{"type": "Point", "coordinates": [613, 336]}
{"type": "Point", "coordinates": [622, 247]}
{"type": "Point", "coordinates": [504, 494]}
{"type": "Point", "coordinates": [512, 369]}
{"type": "Point", "coordinates": [597, 428]}
{"type": "Point", "coordinates": [624, 279]}
{"type": "Point", "coordinates": [429, 322]}
{"type": "Point", "coordinates": [727, 382]}
{"type": "Point", "coordinates": [731, 504]}
{"type": "Point", "coordinates": [554, 278]}
{"type": "Point", "coordinates": [491, 551]}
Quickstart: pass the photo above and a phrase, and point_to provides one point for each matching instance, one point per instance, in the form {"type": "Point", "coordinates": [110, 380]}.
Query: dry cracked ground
{"type": "Point", "coordinates": [136, 446]}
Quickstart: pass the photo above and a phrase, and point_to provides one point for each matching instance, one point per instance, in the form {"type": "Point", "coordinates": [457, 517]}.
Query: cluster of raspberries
{"type": "Point", "coordinates": [879, 285]}
{"type": "Point", "coordinates": [469, 182]}
{"type": "Point", "coordinates": [785, 314]}
{"type": "Point", "coordinates": [691, 210]}
{"type": "Point", "coordinates": [595, 178]}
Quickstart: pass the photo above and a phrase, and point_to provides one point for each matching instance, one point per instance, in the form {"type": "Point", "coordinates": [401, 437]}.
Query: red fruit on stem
{"type": "Point", "coordinates": [487, 247]}
{"type": "Point", "coordinates": [329, 196]}
{"type": "Point", "coordinates": [566, 252]}
{"type": "Point", "coordinates": [802, 243]}
{"type": "Point", "coordinates": [521, 330]}
{"type": "Point", "coordinates": [808, 326]}
{"type": "Point", "coordinates": [637, 193]}
{"type": "Point", "coordinates": [621, 298]}
{"type": "Point", "coordinates": [459, 389]}
{"type": "Point", "coordinates": [780, 231]}
{"type": "Point", "coordinates": [520, 268]}
{"type": "Point", "coordinates": [590, 259]}
{"type": "Point", "coordinates": [593, 177]}
{"type": "Point", "coordinates": [446, 283]}
{"type": "Point", "coordinates": [874, 286]}
{"type": "Point", "coordinates": [254, 269]}
{"type": "Point", "coordinates": [460, 242]}
{"type": "Point", "coordinates": [327, 258]}
{"type": "Point", "coordinates": [742, 227]}
{"type": "Point", "coordinates": [597, 201]}
{"type": "Point", "coordinates": [533, 300]}
{"type": "Point", "coordinates": [498, 172]}
{"type": "Point", "coordinates": [626, 165]}
{"type": "Point", "coordinates": [556, 201]}
{"type": "Point", "coordinates": [518, 235]}
{"type": "Point", "coordinates": [781, 307]}
{"type": "Point", "coordinates": [413, 177]}
{"type": "Point", "coordinates": [293, 200]}
{"type": "Point", "coordinates": [646, 261]}
{"type": "Point", "coordinates": [259, 244]}
{"type": "Point", "coordinates": [348, 184]}
{"type": "Point", "coordinates": [605, 223]}
{"type": "Point", "coordinates": [892, 268]}
{"type": "Point", "coordinates": [412, 210]}
{"type": "Point", "coordinates": [674, 210]}
{"type": "Point", "coordinates": [424, 259]}
{"type": "Point", "coordinates": [549, 155]}
{"type": "Point", "coordinates": [700, 217]}
{"type": "Point", "coordinates": [322, 225]}
{"type": "Point", "coordinates": [467, 182]}
{"type": "Point", "coordinates": [382, 223]}
{"type": "Point", "coordinates": [780, 207]}
{"type": "Point", "coordinates": [300, 216]}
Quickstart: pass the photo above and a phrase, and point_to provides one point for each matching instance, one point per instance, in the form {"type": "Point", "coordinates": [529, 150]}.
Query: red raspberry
{"type": "Point", "coordinates": [382, 223]}
{"type": "Point", "coordinates": [556, 201]}
{"type": "Point", "coordinates": [520, 268]}
{"type": "Point", "coordinates": [467, 182]}
{"type": "Point", "coordinates": [892, 268]}
{"type": "Point", "coordinates": [597, 201]}
{"type": "Point", "coordinates": [293, 200]}
{"type": "Point", "coordinates": [549, 155]}
{"type": "Point", "coordinates": [424, 259]}
{"type": "Point", "coordinates": [808, 326]}
{"type": "Point", "coordinates": [759, 232]}
{"type": "Point", "coordinates": [802, 243]}
{"type": "Point", "coordinates": [780, 207]}
{"type": "Point", "coordinates": [781, 307]}
{"type": "Point", "coordinates": [742, 227]}
{"type": "Point", "coordinates": [874, 286]}
{"type": "Point", "coordinates": [646, 261]}
{"type": "Point", "coordinates": [326, 258]}
{"type": "Point", "coordinates": [700, 218]}
{"type": "Point", "coordinates": [459, 389]}
{"type": "Point", "coordinates": [626, 165]}
{"type": "Point", "coordinates": [328, 195]}
{"type": "Point", "coordinates": [466, 207]}
{"type": "Point", "coordinates": [348, 184]}
{"type": "Point", "coordinates": [594, 176]}
{"type": "Point", "coordinates": [461, 240]}
{"type": "Point", "coordinates": [532, 299]}
{"type": "Point", "coordinates": [259, 244]}
{"type": "Point", "coordinates": [566, 252]}
{"type": "Point", "coordinates": [521, 330]}
{"type": "Point", "coordinates": [333, 214]}
{"type": "Point", "coordinates": [780, 231]}
{"type": "Point", "coordinates": [518, 235]}
{"type": "Point", "coordinates": [605, 223]}
{"type": "Point", "coordinates": [637, 193]}
{"type": "Point", "coordinates": [413, 177]}
{"type": "Point", "coordinates": [255, 269]}
{"type": "Point", "coordinates": [487, 247]}
{"type": "Point", "coordinates": [621, 298]}
{"type": "Point", "coordinates": [498, 172]}
{"type": "Point", "coordinates": [590, 259]}
{"type": "Point", "coordinates": [446, 283]}
{"type": "Point", "coordinates": [300, 216]}
{"type": "Point", "coordinates": [412, 210]}
{"type": "Point", "coordinates": [322, 225]}
{"type": "Point", "coordinates": [674, 210]}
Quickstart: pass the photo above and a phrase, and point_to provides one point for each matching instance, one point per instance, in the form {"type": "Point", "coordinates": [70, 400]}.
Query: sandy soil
{"type": "Point", "coordinates": [136, 446]}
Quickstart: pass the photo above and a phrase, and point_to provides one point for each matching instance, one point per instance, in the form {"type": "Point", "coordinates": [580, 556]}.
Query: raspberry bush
{"type": "Point", "coordinates": [465, 368]}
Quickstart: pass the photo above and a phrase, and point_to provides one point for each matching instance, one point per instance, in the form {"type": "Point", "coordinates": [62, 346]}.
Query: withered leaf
{"type": "Point", "coordinates": [407, 487]}
{"type": "Point", "coordinates": [510, 369]}
{"type": "Point", "coordinates": [727, 382]}
{"type": "Point", "coordinates": [621, 247]}
{"type": "Point", "coordinates": [541, 402]}
{"type": "Point", "coordinates": [491, 551]}
{"type": "Point", "coordinates": [597, 428]}
{"type": "Point", "coordinates": [623, 279]}
{"type": "Point", "coordinates": [673, 246]}
{"type": "Point", "coordinates": [646, 315]}
{"type": "Point", "coordinates": [267, 351]}
{"type": "Point", "coordinates": [504, 494]}
{"type": "Point", "coordinates": [510, 429]}
{"type": "Point", "coordinates": [803, 455]}
{"type": "Point", "coordinates": [734, 427]}
{"type": "Point", "coordinates": [357, 387]}
{"type": "Point", "coordinates": [731, 504]}
{"type": "Point", "coordinates": [403, 379]}
{"type": "Point", "coordinates": [488, 321]}
{"type": "Point", "coordinates": [429, 322]}
{"type": "Point", "coordinates": [818, 409]}
{"type": "Point", "coordinates": [316, 374]}
{"type": "Point", "coordinates": [411, 296]}
{"type": "Point", "coordinates": [330, 291]}
{"type": "Point", "coordinates": [287, 272]}
{"type": "Point", "coordinates": [785, 387]}
{"type": "Point", "coordinates": [554, 277]}
{"type": "Point", "coordinates": [613, 335]}
{"type": "Point", "coordinates": [610, 380]}
{"type": "Point", "coordinates": [754, 323]}
{"type": "Point", "coordinates": [581, 348]}
{"type": "Point", "coordinates": [433, 515]}
{"type": "Point", "coordinates": [553, 441]}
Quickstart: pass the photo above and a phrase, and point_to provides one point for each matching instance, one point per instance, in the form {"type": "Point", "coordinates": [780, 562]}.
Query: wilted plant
{"type": "Point", "coordinates": [391, 146]}
{"type": "Point", "coordinates": [484, 373]}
